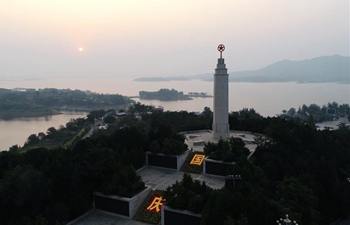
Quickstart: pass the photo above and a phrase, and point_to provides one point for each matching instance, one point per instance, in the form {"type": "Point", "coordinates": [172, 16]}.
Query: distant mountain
{"type": "Point", "coordinates": [321, 69]}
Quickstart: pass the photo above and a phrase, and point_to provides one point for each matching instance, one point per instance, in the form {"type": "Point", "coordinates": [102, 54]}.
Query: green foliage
{"type": "Point", "coordinates": [65, 136]}
{"type": "Point", "coordinates": [129, 144]}
{"type": "Point", "coordinates": [109, 119]}
{"type": "Point", "coordinates": [127, 121]}
{"type": "Point", "coordinates": [296, 170]}
{"type": "Point", "coordinates": [140, 108]}
{"type": "Point", "coordinates": [299, 199]}
{"type": "Point", "coordinates": [32, 139]}
{"type": "Point", "coordinates": [51, 132]}
{"type": "Point", "coordinates": [173, 147]}
{"type": "Point", "coordinates": [75, 124]}
{"type": "Point", "coordinates": [230, 221]}
{"type": "Point", "coordinates": [40, 220]}
{"type": "Point", "coordinates": [14, 148]}
{"type": "Point", "coordinates": [247, 120]}
{"type": "Point", "coordinates": [96, 114]}
{"type": "Point", "coordinates": [23, 192]}
{"type": "Point", "coordinates": [343, 126]}
{"type": "Point", "coordinates": [69, 144]}
{"type": "Point", "coordinates": [318, 114]}
{"type": "Point", "coordinates": [58, 184]}
{"type": "Point", "coordinates": [226, 150]}
{"type": "Point", "coordinates": [165, 140]}
{"type": "Point", "coordinates": [188, 194]}
{"type": "Point", "coordinates": [207, 112]}
{"type": "Point", "coordinates": [318, 164]}
{"type": "Point", "coordinates": [44, 101]}
{"type": "Point", "coordinates": [124, 183]}
{"type": "Point", "coordinates": [179, 121]}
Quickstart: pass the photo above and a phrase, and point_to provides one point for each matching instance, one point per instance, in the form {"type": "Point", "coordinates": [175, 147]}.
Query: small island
{"type": "Point", "coordinates": [164, 95]}
{"type": "Point", "coordinates": [199, 95]}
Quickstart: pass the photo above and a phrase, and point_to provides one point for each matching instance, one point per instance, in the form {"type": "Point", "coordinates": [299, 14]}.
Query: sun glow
{"type": "Point", "coordinates": [81, 49]}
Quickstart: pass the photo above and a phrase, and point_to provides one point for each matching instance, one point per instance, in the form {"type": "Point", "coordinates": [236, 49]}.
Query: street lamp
{"type": "Point", "coordinates": [286, 221]}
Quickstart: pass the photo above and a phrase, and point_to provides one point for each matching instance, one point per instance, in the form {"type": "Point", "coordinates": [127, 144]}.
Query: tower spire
{"type": "Point", "coordinates": [221, 128]}
{"type": "Point", "coordinates": [221, 48]}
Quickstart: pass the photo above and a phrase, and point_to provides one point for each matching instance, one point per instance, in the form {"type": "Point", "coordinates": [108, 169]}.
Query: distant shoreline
{"type": "Point", "coordinates": [154, 79]}
{"type": "Point", "coordinates": [13, 114]}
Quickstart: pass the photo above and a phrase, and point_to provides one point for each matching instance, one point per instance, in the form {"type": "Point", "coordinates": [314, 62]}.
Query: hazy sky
{"type": "Point", "coordinates": [141, 38]}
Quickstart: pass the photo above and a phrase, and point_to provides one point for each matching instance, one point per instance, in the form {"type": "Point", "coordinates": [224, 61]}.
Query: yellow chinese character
{"type": "Point", "coordinates": [156, 204]}
{"type": "Point", "coordinates": [197, 159]}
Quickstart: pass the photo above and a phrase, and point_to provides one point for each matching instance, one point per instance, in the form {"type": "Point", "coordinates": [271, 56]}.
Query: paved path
{"type": "Point", "coordinates": [207, 136]}
{"type": "Point", "coordinates": [88, 134]}
{"type": "Point", "coordinates": [96, 217]}
{"type": "Point", "coordinates": [160, 178]}
{"type": "Point", "coordinates": [157, 178]}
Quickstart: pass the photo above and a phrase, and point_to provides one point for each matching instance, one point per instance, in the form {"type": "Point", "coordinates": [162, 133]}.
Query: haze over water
{"type": "Point", "coordinates": [99, 45]}
{"type": "Point", "coordinates": [271, 99]}
{"type": "Point", "coordinates": [268, 99]}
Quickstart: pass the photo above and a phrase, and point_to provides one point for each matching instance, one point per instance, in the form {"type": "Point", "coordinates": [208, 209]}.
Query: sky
{"type": "Point", "coordinates": [159, 38]}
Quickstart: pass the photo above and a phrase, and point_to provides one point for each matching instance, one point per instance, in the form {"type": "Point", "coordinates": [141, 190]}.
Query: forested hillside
{"type": "Point", "coordinates": [295, 169]}
{"type": "Point", "coordinates": [49, 101]}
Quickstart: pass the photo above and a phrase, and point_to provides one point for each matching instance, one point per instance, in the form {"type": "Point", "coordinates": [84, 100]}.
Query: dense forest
{"type": "Point", "coordinates": [296, 169]}
{"type": "Point", "coordinates": [48, 101]}
{"type": "Point", "coordinates": [331, 111]}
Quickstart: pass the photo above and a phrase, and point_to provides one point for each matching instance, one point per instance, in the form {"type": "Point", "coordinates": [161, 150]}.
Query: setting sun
{"type": "Point", "coordinates": [81, 49]}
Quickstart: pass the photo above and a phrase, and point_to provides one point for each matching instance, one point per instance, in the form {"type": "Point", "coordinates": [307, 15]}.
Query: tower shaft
{"type": "Point", "coordinates": [221, 128]}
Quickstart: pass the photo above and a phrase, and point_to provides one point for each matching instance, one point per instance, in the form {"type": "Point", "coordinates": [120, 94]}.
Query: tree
{"type": "Point", "coordinates": [97, 114]}
{"type": "Point", "coordinates": [292, 111]}
{"type": "Point", "coordinates": [24, 193]}
{"type": "Point", "coordinates": [32, 139]}
{"type": "Point", "coordinates": [188, 194]}
{"type": "Point", "coordinates": [173, 147]}
{"type": "Point", "coordinates": [51, 133]}
{"type": "Point", "coordinates": [310, 122]}
{"type": "Point", "coordinates": [14, 149]}
{"type": "Point", "coordinates": [342, 126]}
{"type": "Point", "coordinates": [109, 119]}
{"type": "Point", "coordinates": [299, 199]}
{"type": "Point", "coordinates": [207, 112]}
{"type": "Point", "coordinates": [226, 150]}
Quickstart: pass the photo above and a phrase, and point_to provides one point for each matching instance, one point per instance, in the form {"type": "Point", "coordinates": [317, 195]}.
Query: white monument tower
{"type": "Point", "coordinates": [221, 128]}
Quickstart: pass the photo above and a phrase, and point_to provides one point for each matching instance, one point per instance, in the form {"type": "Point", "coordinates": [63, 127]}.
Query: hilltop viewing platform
{"type": "Point", "coordinates": [196, 139]}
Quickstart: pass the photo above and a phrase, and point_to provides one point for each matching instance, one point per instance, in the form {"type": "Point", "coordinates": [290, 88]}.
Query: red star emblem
{"type": "Point", "coordinates": [221, 48]}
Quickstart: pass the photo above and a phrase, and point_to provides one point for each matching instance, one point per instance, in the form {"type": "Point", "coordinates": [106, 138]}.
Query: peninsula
{"type": "Point", "coordinates": [22, 102]}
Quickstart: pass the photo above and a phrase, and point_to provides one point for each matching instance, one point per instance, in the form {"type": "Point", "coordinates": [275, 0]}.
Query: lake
{"type": "Point", "coordinates": [268, 99]}
{"type": "Point", "coordinates": [17, 131]}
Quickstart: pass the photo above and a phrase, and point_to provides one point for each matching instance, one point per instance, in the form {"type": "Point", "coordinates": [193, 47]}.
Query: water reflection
{"type": "Point", "coordinates": [16, 131]}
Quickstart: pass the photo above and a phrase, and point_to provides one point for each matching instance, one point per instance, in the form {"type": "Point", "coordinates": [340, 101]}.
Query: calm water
{"type": "Point", "coordinates": [266, 98]}
{"type": "Point", "coordinates": [17, 131]}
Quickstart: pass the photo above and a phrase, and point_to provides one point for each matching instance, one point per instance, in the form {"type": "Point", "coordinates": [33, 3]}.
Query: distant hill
{"type": "Point", "coordinates": [321, 69]}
